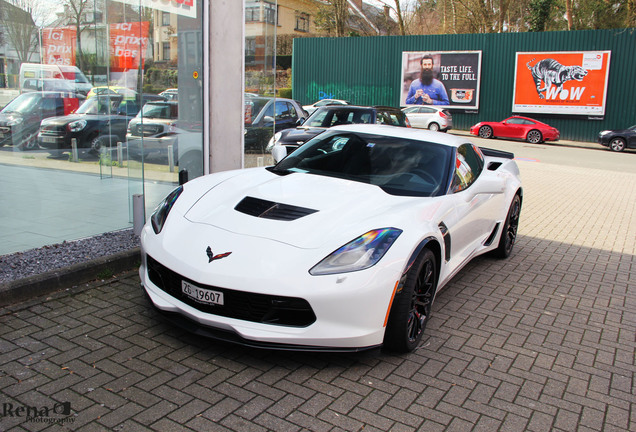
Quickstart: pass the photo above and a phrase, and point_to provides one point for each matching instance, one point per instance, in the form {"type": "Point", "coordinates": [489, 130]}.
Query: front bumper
{"type": "Point", "coordinates": [344, 312]}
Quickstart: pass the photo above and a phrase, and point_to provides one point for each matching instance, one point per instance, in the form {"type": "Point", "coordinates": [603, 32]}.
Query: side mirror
{"type": "Point", "coordinates": [279, 153]}
{"type": "Point", "coordinates": [268, 120]}
{"type": "Point", "coordinates": [300, 121]}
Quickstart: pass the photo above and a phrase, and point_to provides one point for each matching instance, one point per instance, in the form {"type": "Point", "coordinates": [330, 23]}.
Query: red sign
{"type": "Point", "coordinates": [58, 46]}
{"type": "Point", "coordinates": [128, 44]}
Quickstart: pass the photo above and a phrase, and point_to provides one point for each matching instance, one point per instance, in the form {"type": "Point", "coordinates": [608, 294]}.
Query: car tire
{"type": "Point", "coordinates": [433, 127]}
{"type": "Point", "coordinates": [617, 144]}
{"type": "Point", "coordinates": [509, 232]}
{"type": "Point", "coordinates": [95, 143]}
{"type": "Point", "coordinates": [534, 137]}
{"type": "Point", "coordinates": [412, 305]}
{"type": "Point", "coordinates": [485, 132]}
{"type": "Point", "coordinates": [29, 143]}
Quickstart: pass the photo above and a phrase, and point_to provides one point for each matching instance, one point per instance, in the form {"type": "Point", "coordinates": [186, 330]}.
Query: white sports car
{"type": "Point", "coordinates": [341, 246]}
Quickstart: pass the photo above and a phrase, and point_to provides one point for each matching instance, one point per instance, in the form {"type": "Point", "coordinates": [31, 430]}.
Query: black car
{"type": "Point", "coordinates": [265, 116]}
{"type": "Point", "coordinates": [618, 140]}
{"type": "Point", "coordinates": [20, 119]}
{"type": "Point", "coordinates": [334, 115]}
{"type": "Point", "coordinates": [100, 121]}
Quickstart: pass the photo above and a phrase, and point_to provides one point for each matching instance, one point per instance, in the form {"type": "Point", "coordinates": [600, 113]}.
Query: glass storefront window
{"type": "Point", "coordinates": [104, 101]}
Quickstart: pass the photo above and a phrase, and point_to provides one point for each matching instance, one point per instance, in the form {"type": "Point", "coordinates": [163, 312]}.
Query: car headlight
{"type": "Point", "coordinates": [160, 214]}
{"type": "Point", "coordinates": [605, 132]}
{"type": "Point", "coordinates": [15, 121]}
{"type": "Point", "coordinates": [77, 126]}
{"type": "Point", "coordinates": [358, 254]}
{"type": "Point", "coordinates": [272, 142]}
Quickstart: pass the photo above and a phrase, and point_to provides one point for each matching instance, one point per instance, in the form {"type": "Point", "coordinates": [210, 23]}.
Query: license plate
{"type": "Point", "coordinates": [201, 295]}
{"type": "Point", "coordinates": [49, 139]}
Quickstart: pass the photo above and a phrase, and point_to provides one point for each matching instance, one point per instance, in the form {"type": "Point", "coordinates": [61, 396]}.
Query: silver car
{"type": "Point", "coordinates": [429, 117]}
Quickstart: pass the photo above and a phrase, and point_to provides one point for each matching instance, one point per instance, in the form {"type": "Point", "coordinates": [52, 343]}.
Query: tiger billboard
{"type": "Point", "coordinates": [573, 82]}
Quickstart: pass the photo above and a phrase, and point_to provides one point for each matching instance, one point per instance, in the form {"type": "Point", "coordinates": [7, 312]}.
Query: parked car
{"type": "Point", "coordinates": [265, 116]}
{"type": "Point", "coordinates": [429, 117]}
{"type": "Point", "coordinates": [324, 102]}
{"type": "Point", "coordinates": [343, 245]}
{"type": "Point", "coordinates": [171, 94]}
{"type": "Point", "coordinates": [619, 139]}
{"type": "Point", "coordinates": [75, 79]}
{"type": "Point", "coordinates": [112, 90]}
{"type": "Point", "coordinates": [20, 119]}
{"type": "Point", "coordinates": [153, 130]}
{"type": "Point", "coordinates": [47, 84]}
{"type": "Point", "coordinates": [517, 127]}
{"type": "Point", "coordinates": [100, 121]}
{"type": "Point", "coordinates": [334, 115]}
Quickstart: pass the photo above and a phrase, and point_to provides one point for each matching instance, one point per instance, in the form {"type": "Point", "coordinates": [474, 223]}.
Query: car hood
{"type": "Point", "coordinates": [331, 208]}
{"type": "Point", "coordinates": [10, 118]}
{"type": "Point", "coordinates": [299, 135]}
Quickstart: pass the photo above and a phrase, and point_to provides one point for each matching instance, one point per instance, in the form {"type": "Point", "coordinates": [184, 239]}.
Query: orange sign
{"type": "Point", "coordinates": [128, 44]}
{"type": "Point", "coordinates": [561, 82]}
{"type": "Point", "coordinates": [58, 46]}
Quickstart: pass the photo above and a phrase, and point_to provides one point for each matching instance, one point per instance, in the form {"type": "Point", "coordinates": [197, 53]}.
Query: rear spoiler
{"type": "Point", "coordinates": [496, 153]}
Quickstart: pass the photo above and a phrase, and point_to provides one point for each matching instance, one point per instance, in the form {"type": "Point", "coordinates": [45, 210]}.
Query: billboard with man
{"type": "Point", "coordinates": [447, 79]}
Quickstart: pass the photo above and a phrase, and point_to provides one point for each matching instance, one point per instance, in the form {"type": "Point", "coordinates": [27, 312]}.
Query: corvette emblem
{"type": "Point", "coordinates": [213, 257]}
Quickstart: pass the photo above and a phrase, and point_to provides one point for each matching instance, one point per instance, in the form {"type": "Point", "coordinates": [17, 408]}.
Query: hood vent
{"type": "Point", "coordinates": [271, 210]}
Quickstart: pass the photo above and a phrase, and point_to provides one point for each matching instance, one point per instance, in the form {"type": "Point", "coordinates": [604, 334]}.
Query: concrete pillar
{"type": "Point", "coordinates": [225, 90]}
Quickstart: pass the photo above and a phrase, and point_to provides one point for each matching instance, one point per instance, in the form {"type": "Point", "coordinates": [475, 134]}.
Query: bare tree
{"type": "Point", "coordinates": [19, 23]}
{"type": "Point", "coordinates": [75, 11]}
{"type": "Point", "coordinates": [332, 17]}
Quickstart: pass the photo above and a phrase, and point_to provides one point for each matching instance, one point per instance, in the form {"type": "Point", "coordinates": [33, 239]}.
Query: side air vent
{"type": "Point", "coordinates": [271, 210]}
{"type": "Point", "coordinates": [492, 166]}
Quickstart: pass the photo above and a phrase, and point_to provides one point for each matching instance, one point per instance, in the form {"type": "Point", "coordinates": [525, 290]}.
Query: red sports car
{"type": "Point", "coordinates": [517, 127]}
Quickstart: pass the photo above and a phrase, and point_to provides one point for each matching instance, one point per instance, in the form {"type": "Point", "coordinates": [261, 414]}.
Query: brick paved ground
{"type": "Point", "coordinates": [544, 341]}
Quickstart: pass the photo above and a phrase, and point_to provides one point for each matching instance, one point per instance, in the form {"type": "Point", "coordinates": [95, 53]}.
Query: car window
{"type": "Point", "coordinates": [469, 163]}
{"type": "Point", "coordinates": [515, 121]}
{"type": "Point", "coordinates": [292, 111]}
{"type": "Point", "coordinates": [160, 111]}
{"type": "Point", "coordinates": [48, 105]}
{"type": "Point", "coordinates": [428, 110]}
{"type": "Point", "coordinates": [397, 165]}
{"type": "Point", "coordinates": [341, 117]}
{"type": "Point", "coordinates": [392, 118]}
{"type": "Point", "coordinates": [285, 111]}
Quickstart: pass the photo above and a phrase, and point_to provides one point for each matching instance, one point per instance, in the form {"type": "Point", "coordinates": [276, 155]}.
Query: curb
{"type": "Point", "coordinates": [58, 279]}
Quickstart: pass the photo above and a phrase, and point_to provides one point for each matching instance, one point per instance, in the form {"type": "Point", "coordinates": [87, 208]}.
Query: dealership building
{"type": "Point", "coordinates": [91, 172]}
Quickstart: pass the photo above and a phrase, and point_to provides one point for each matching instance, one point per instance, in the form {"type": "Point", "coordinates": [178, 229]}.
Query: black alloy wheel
{"type": "Point", "coordinates": [412, 306]}
{"type": "Point", "coordinates": [509, 233]}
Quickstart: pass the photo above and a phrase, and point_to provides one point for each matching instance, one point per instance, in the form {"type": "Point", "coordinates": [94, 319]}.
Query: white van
{"type": "Point", "coordinates": [71, 74]}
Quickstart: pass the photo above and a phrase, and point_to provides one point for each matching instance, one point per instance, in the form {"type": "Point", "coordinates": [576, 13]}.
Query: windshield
{"type": "Point", "coordinates": [73, 74]}
{"type": "Point", "coordinates": [328, 117]}
{"type": "Point", "coordinates": [22, 104]}
{"type": "Point", "coordinates": [399, 166]}
{"type": "Point", "coordinates": [159, 111]}
{"type": "Point", "coordinates": [99, 105]}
